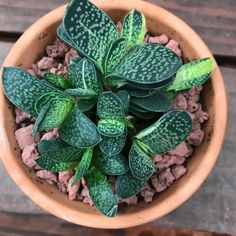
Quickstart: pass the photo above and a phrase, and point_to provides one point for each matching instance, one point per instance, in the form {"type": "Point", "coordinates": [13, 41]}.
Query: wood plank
{"type": "Point", "coordinates": [4, 49]}
{"type": "Point", "coordinates": [214, 20]}
{"type": "Point", "coordinates": [51, 226]}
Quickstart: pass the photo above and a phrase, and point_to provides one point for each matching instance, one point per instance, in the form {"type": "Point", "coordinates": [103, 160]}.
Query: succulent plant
{"type": "Point", "coordinates": [117, 83]}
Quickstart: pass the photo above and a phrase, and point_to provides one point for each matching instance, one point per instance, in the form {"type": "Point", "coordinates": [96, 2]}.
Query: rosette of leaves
{"type": "Point", "coordinates": [129, 82]}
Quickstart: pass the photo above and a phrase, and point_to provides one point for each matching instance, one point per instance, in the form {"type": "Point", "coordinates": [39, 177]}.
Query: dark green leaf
{"type": "Point", "coordinates": [127, 185]}
{"type": "Point", "coordinates": [90, 29]}
{"type": "Point", "coordinates": [134, 28]}
{"type": "Point", "coordinates": [111, 165]}
{"type": "Point", "coordinates": [83, 93]}
{"type": "Point", "coordinates": [125, 98]}
{"type": "Point", "coordinates": [45, 146]}
{"type": "Point", "coordinates": [141, 165]}
{"type": "Point", "coordinates": [23, 89]}
{"type": "Point", "coordinates": [79, 131]}
{"type": "Point", "coordinates": [148, 64]}
{"type": "Point", "coordinates": [142, 115]}
{"type": "Point", "coordinates": [64, 36]}
{"type": "Point", "coordinates": [110, 106]}
{"type": "Point", "coordinates": [86, 104]}
{"type": "Point", "coordinates": [157, 102]}
{"type": "Point", "coordinates": [192, 74]}
{"type": "Point", "coordinates": [171, 95]}
{"type": "Point", "coordinates": [138, 93]}
{"type": "Point", "coordinates": [83, 166]}
{"type": "Point", "coordinates": [111, 146]}
{"type": "Point", "coordinates": [57, 80]}
{"type": "Point", "coordinates": [101, 193]}
{"type": "Point", "coordinates": [111, 127]}
{"type": "Point", "coordinates": [115, 54]}
{"type": "Point", "coordinates": [166, 133]}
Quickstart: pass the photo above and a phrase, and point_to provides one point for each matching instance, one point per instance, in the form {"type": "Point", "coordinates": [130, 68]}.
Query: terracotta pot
{"type": "Point", "coordinates": [30, 47]}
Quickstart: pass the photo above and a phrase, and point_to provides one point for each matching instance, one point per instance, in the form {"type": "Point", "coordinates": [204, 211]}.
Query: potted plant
{"type": "Point", "coordinates": [115, 82]}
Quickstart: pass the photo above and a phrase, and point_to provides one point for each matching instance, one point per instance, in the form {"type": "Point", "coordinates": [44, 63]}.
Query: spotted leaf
{"type": "Point", "coordinates": [79, 130]}
{"type": "Point", "coordinates": [45, 146]}
{"type": "Point", "coordinates": [166, 133]}
{"type": "Point", "coordinates": [86, 104]}
{"type": "Point", "coordinates": [138, 93]}
{"type": "Point", "coordinates": [125, 98]}
{"type": "Point", "coordinates": [134, 28]}
{"type": "Point", "coordinates": [64, 36]}
{"type": "Point", "coordinates": [111, 127]}
{"type": "Point", "coordinates": [82, 93]}
{"type": "Point", "coordinates": [101, 193]}
{"type": "Point", "coordinates": [127, 185]}
{"type": "Point", "coordinates": [192, 74]}
{"type": "Point", "coordinates": [23, 89]}
{"type": "Point", "coordinates": [90, 30]}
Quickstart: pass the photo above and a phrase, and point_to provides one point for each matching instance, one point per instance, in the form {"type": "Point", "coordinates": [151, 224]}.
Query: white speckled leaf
{"type": "Point", "coordinates": [125, 98]}
{"type": "Point", "coordinates": [101, 193]}
{"type": "Point", "coordinates": [23, 89]}
{"type": "Point", "coordinates": [134, 28]}
{"type": "Point", "coordinates": [79, 130]}
{"type": "Point", "coordinates": [111, 127]}
{"type": "Point", "coordinates": [148, 64]}
{"type": "Point", "coordinates": [45, 145]}
{"type": "Point", "coordinates": [166, 133]}
{"type": "Point", "coordinates": [192, 74]}
{"type": "Point", "coordinates": [90, 29]}
{"type": "Point", "coordinates": [127, 185]}
{"type": "Point", "coordinates": [64, 36]}
{"type": "Point", "coordinates": [82, 93]}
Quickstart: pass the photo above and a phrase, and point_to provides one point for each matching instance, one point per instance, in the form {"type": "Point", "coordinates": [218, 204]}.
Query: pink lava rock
{"type": "Point", "coordinates": [174, 46]}
{"type": "Point", "coordinates": [50, 135]}
{"type": "Point", "coordinates": [157, 185]}
{"type": "Point", "coordinates": [147, 193]}
{"type": "Point", "coordinates": [69, 55]}
{"type": "Point", "coordinates": [157, 158]}
{"type": "Point", "coordinates": [166, 177]}
{"type": "Point", "coordinates": [61, 69]}
{"type": "Point", "coordinates": [119, 26]}
{"type": "Point", "coordinates": [196, 137]}
{"type": "Point", "coordinates": [24, 136]}
{"type": "Point", "coordinates": [193, 106]}
{"type": "Point", "coordinates": [63, 180]}
{"type": "Point", "coordinates": [169, 160]}
{"type": "Point", "coordinates": [50, 177]}
{"type": "Point", "coordinates": [200, 115]}
{"type": "Point", "coordinates": [21, 116]}
{"type": "Point", "coordinates": [180, 102]}
{"type": "Point", "coordinates": [86, 196]}
{"type": "Point", "coordinates": [182, 150]}
{"type": "Point", "coordinates": [57, 49]}
{"type": "Point", "coordinates": [162, 39]}
{"type": "Point", "coordinates": [29, 155]}
{"type": "Point", "coordinates": [73, 190]}
{"type": "Point", "coordinates": [131, 200]}
{"type": "Point", "coordinates": [178, 171]}
{"type": "Point", "coordinates": [46, 63]}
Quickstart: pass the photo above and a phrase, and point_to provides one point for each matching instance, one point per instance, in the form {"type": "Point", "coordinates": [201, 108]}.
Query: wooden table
{"type": "Point", "coordinates": [213, 207]}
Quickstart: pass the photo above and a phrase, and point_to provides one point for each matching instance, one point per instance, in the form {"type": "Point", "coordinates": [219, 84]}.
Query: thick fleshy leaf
{"type": "Point", "coordinates": [158, 64]}
{"type": "Point", "coordinates": [110, 106]}
{"type": "Point", "coordinates": [111, 127]}
{"type": "Point", "coordinates": [84, 165]}
{"type": "Point", "coordinates": [142, 115]}
{"type": "Point", "coordinates": [192, 74]}
{"type": "Point", "coordinates": [125, 98]}
{"type": "Point", "coordinates": [170, 94]}
{"type": "Point", "coordinates": [52, 145]}
{"type": "Point", "coordinates": [79, 130]}
{"type": "Point", "coordinates": [64, 36]}
{"type": "Point", "coordinates": [134, 28]}
{"type": "Point", "coordinates": [57, 80]}
{"type": "Point", "coordinates": [115, 54]}
{"type": "Point", "coordinates": [127, 185]}
{"type": "Point", "coordinates": [166, 133]}
{"type": "Point", "coordinates": [83, 75]}
{"type": "Point", "coordinates": [54, 115]}
{"type": "Point", "coordinates": [23, 89]}
{"type": "Point", "coordinates": [93, 32]}
{"type": "Point", "coordinates": [138, 93]}
{"type": "Point", "coordinates": [141, 165]}
{"type": "Point", "coordinates": [101, 193]}
{"type": "Point", "coordinates": [86, 104]}
{"type": "Point", "coordinates": [157, 102]}
{"type": "Point", "coordinates": [111, 146]}
{"type": "Point", "coordinates": [111, 165]}
{"type": "Point", "coordinates": [82, 93]}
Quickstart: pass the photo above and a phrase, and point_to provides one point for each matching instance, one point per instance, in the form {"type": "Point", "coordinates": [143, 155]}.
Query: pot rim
{"type": "Point", "coordinates": [146, 214]}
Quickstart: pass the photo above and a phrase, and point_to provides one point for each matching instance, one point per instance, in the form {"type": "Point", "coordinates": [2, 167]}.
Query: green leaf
{"type": "Point", "coordinates": [111, 127]}
{"type": "Point", "coordinates": [127, 185]}
{"type": "Point", "coordinates": [45, 146]}
{"type": "Point", "coordinates": [158, 64]}
{"type": "Point", "coordinates": [192, 74]}
{"type": "Point", "coordinates": [141, 165]}
{"type": "Point", "coordinates": [83, 75]}
{"type": "Point", "coordinates": [101, 193]}
{"type": "Point", "coordinates": [111, 165]}
{"type": "Point", "coordinates": [53, 115]}
{"type": "Point", "coordinates": [142, 115]}
{"type": "Point", "coordinates": [86, 104]}
{"type": "Point", "coordinates": [166, 133]}
{"type": "Point", "coordinates": [79, 130]}
{"type": "Point", "coordinates": [110, 106]}
{"type": "Point", "coordinates": [82, 93]}
{"type": "Point", "coordinates": [138, 93]}
{"type": "Point", "coordinates": [157, 102]}
{"type": "Point", "coordinates": [111, 146]}
{"type": "Point", "coordinates": [125, 98]}
{"type": "Point", "coordinates": [171, 95]}
{"type": "Point", "coordinates": [90, 29]}
{"type": "Point", "coordinates": [115, 54]}
{"type": "Point", "coordinates": [23, 89]}
{"type": "Point", "coordinates": [84, 165]}
{"type": "Point", "coordinates": [134, 28]}
{"type": "Point", "coordinates": [64, 36]}
{"type": "Point", "coordinates": [57, 80]}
